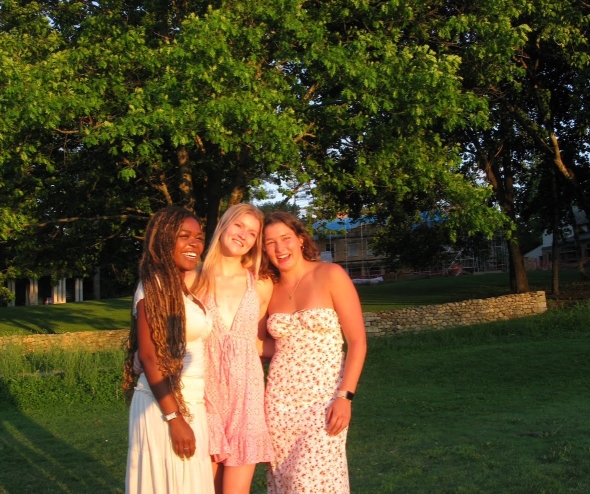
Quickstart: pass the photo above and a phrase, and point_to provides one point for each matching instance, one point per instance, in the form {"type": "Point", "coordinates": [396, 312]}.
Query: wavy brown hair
{"type": "Point", "coordinates": [163, 287]}
{"type": "Point", "coordinates": [310, 250]}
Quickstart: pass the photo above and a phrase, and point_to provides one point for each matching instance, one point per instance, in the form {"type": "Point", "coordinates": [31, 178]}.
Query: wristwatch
{"type": "Point", "coordinates": [347, 395]}
{"type": "Point", "coordinates": [170, 416]}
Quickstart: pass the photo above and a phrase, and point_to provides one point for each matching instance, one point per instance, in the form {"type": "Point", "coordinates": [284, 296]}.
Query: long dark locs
{"type": "Point", "coordinates": [164, 303]}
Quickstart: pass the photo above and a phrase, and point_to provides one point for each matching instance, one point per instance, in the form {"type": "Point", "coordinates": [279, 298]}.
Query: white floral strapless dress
{"type": "Point", "coordinates": [304, 374]}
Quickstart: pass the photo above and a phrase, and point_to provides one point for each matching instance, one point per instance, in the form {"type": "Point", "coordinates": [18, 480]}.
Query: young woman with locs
{"type": "Point", "coordinates": [311, 383]}
{"type": "Point", "coordinates": [168, 434]}
{"type": "Point", "coordinates": [236, 299]}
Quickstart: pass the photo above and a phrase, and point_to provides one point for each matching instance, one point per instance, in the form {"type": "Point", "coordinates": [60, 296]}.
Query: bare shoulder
{"type": "Point", "coordinates": [332, 271]}
{"type": "Point", "coordinates": [264, 286]}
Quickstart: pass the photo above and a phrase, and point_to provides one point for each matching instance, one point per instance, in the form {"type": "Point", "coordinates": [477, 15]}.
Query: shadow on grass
{"type": "Point", "coordinates": [52, 464]}
{"type": "Point", "coordinates": [52, 319]}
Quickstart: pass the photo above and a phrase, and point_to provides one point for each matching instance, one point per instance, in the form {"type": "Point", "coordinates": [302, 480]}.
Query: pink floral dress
{"type": "Point", "coordinates": [304, 375]}
{"type": "Point", "coordinates": [234, 389]}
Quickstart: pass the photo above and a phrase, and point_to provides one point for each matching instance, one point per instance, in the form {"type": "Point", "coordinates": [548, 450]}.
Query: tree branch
{"type": "Point", "coordinates": [79, 218]}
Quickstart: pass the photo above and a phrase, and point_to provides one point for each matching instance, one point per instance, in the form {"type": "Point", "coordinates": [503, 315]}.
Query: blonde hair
{"type": "Point", "coordinates": [204, 283]}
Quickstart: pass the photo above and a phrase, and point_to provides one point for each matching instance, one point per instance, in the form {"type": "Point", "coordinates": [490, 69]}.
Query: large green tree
{"type": "Point", "coordinates": [112, 110]}
{"type": "Point", "coordinates": [529, 59]}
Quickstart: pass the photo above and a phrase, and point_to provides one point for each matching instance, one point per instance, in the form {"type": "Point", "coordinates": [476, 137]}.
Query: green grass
{"type": "Point", "coordinates": [77, 450]}
{"type": "Point", "coordinates": [441, 290]}
{"type": "Point", "coordinates": [115, 313]}
{"type": "Point", "coordinates": [15, 361]}
{"type": "Point", "coordinates": [495, 408]}
{"type": "Point", "coordinates": [91, 315]}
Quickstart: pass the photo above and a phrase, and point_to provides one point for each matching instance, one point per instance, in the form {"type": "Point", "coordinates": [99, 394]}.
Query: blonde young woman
{"type": "Point", "coordinates": [314, 308]}
{"type": "Point", "coordinates": [236, 299]}
{"type": "Point", "coordinates": [168, 433]}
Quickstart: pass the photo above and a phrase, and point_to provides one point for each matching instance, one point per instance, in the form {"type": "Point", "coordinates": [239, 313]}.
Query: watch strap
{"type": "Point", "coordinates": [347, 395]}
{"type": "Point", "coordinates": [170, 416]}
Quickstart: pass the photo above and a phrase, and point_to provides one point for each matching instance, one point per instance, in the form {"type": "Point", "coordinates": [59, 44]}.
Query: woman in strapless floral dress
{"type": "Point", "coordinates": [314, 308]}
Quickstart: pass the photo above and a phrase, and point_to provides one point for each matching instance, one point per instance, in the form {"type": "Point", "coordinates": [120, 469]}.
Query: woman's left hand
{"type": "Point", "coordinates": [338, 416]}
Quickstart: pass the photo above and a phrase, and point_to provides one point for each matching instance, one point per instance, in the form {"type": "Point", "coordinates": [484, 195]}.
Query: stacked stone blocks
{"type": "Point", "coordinates": [455, 314]}
{"type": "Point", "coordinates": [380, 323]}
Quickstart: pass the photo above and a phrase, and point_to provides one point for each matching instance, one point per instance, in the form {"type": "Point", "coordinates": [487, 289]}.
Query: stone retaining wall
{"type": "Point", "coordinates": [455, 314]}
{"type": "Point", "coordinates": [84, 340]}
{"type": "Point", "coordinates": [377, 323]}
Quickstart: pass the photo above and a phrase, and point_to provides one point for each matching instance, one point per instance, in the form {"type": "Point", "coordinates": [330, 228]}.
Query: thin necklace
{"type": "Point", "coordinates": [296, 285]}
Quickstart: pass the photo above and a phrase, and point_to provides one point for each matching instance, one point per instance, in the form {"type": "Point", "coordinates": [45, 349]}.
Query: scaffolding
{"type": "Point", "coordinates": [493, 257]}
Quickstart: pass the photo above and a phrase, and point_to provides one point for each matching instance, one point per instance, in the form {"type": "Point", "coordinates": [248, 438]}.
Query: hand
{"type": "Point", "coordinates": [338, 416]}
{"type": "Point", "coordinates": [182, 437]}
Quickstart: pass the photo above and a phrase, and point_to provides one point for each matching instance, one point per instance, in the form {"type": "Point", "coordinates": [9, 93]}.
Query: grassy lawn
{"type": "Point", "coordinates": [67, 450]}
{"type": "Point", "coordinates": [496, 408]}
{"type": "Point", "coordinates": [114, 313]}
{"type": "Point", "coordinates": [441, 290]}
{"type": "Point", "coordinates": [90, 315]}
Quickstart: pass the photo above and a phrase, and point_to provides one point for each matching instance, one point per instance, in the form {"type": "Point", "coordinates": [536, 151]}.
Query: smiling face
{"type": "Point", "coordinates": [189, 245]}
{"type": "Point", "coordinates": [282, 246]}
{"type": "Point", "coordinates": [240, 235]}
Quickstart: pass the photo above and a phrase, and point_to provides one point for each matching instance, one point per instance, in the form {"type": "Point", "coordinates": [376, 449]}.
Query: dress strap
{"type": "Point", "coordinates": [250, 281]}
{"type": "Point", "coordinates": [193, 299]}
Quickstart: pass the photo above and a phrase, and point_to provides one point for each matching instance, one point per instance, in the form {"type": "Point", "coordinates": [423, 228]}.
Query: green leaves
{"type": "Point", "coordinates": [105, 108]}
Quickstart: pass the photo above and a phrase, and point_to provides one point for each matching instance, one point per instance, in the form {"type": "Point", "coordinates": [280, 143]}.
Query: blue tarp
{"type": "Point", "coordinates": [338, 226]}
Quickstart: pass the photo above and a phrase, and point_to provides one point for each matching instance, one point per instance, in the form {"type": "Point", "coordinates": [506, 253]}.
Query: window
{"type": "Point", "coordinates": [353, 249]}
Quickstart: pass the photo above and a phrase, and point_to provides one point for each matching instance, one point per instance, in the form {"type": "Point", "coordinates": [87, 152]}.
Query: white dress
{"type": "Point", "coordinates": [152, 465]}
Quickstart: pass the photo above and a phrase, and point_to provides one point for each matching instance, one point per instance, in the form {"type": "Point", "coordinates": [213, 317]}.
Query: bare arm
{"type": "Point", "coordinates": [348, 307]}
{"type": "Point", "coordinates": [181, 433]}
{"type": "Point", "coordinates": [264, 343]}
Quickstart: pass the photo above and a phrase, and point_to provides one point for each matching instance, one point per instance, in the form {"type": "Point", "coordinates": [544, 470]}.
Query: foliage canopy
{"type": "Point", "coordinates": [112, 110]}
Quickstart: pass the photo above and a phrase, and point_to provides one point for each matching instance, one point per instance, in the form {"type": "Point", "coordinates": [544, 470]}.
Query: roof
{"type": "Point", "coordinates": [340, 226]}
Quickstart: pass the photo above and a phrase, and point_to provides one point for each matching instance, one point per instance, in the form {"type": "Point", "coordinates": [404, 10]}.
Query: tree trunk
{"type": "Point", "coordinates": [579, 248]}
{"type": "Point", "coordinates": [519, 282]}
{"type": "Point", "coordinates": [236, 196]}
{"type": "Point", "coordinates": [186, 179]}
{"type": "Point", "coordinates": [240, 179]}
{"type": "Point", "coordinates": [213, 207]}
{"type": "Point", "coordinates": [502, 182]}
{"type": "Point", "coordinates": [555, 241]}
{"type": "Point", "coordinates": [555, 263]}
{"type": "Point", "coordinates": [96, 284]}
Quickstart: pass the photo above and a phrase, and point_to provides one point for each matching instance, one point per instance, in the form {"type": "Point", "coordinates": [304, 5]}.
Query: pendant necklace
{"type": "Point", "coordinates": [296, 285]}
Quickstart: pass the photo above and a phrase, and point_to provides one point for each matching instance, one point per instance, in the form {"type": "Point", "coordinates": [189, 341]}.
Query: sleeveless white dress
{"type": "Point", "coordinates": [152, 465]}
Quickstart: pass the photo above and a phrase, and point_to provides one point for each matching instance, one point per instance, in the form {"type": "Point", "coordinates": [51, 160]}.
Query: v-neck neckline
{"type": "Point", "coordinates": [218, 313]}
